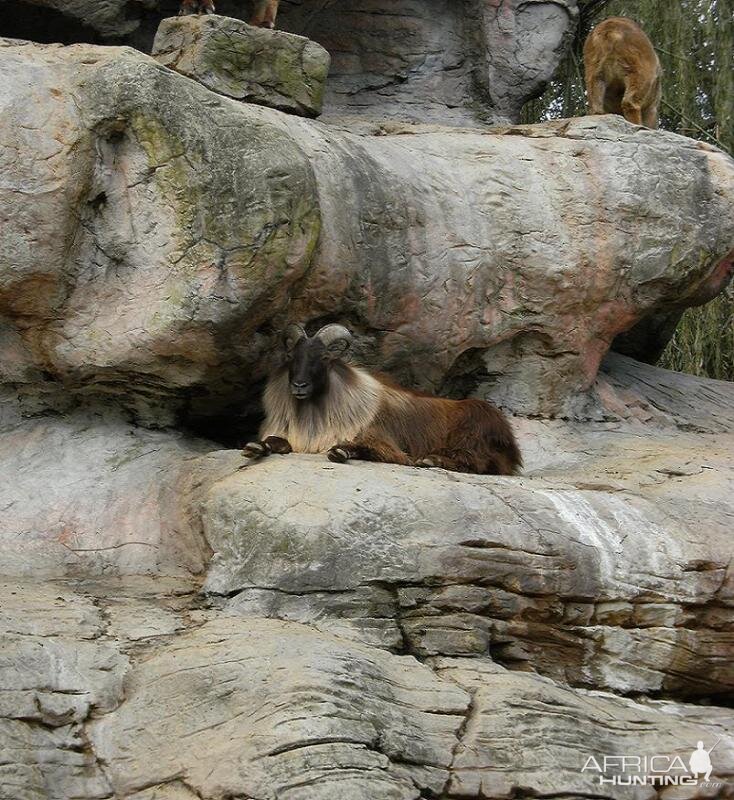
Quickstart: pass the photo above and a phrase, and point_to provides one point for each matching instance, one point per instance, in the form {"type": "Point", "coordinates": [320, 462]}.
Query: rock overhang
{"type": "Point", "coordinates": [171, 245]}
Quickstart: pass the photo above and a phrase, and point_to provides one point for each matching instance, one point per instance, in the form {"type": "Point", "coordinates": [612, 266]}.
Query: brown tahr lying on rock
{"type": "Point", "coordinates": [622, 72]}
{"type": "Point", "coordinates": [316, 402]}
{"type": "Point", "coordinates": [264, 12]}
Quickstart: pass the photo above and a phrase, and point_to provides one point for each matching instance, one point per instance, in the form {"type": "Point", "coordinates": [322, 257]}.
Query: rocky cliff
{"type": "Point", "coordinates": [177, 622]}
{"type": "Point", "coordinates": [424, 60]}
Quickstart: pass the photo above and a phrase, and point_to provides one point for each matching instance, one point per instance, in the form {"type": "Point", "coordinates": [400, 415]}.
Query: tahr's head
{"type": "Point", "coordinates": [309, 358]}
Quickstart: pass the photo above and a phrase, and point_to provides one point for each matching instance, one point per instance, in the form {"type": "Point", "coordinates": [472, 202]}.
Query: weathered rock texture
{"type": "Point", "coordinates": [447, 61]}
{"type": "Point", "coordinates": [270, 68]}
{"type": "Point", "coordinates": [80, 525]}
{"type": "Point", "coordinates": [174, 232]}
{"type": "Point", "coordinates": [368, 631]}
{"type": "Point", "coordinates": [436, 60]}
{"type": "Point", "coordinates": [179, 624]}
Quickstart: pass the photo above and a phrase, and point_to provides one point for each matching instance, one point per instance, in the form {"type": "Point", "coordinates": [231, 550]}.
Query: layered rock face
{"type": "Point", "coordinates": [177, 623]}
{"type": "Point", "coordinates": [369, 630]}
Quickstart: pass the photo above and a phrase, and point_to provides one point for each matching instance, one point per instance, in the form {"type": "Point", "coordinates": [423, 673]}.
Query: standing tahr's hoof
{"type": "Point", "coordinates": [339, 455]}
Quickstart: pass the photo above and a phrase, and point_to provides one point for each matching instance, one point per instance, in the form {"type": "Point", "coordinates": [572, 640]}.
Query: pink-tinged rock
{"type": "Point", "coordinates": [165, 248]}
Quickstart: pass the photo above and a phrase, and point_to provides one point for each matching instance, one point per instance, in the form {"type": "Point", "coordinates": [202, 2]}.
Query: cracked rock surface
{"type": "Point", "coordinates": [270, 68]}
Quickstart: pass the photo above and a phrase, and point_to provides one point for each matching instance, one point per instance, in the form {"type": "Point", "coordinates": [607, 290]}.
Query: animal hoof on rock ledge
{"type": "Point", "coordinates": [338, 454]}
{"type": "Point", "coordinates": [426, 462]}
{"type": "Point", "coordinates": [254, 450]}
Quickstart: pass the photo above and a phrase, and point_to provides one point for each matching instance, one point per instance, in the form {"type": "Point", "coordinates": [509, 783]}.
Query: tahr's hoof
{"type": "Point", "coordinates": [426, 462]}
{"type": "Point", "coordinates": [338, 455]}
{"type": "Point", "coordinates": [254, 450]}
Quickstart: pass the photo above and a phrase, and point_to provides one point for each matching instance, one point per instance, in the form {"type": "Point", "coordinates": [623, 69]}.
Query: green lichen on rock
{"type": "Point", "coordinates": [269, 68]}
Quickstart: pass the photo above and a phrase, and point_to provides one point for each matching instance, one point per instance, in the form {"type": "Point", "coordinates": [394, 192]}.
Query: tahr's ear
{"type": "Point", "coordinates": [293, 334]}
{"type": "Point", "coordinates": [336, 338]}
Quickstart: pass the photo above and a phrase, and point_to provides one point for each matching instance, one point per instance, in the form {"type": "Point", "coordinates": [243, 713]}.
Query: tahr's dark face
{"type": "Point", "coordinates": [308, 369]}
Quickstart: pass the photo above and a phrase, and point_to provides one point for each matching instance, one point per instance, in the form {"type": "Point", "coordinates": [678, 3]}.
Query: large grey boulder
{"type": "Point", "coordinates": [270, 68]}
{"type": "Point", "coordinates": [280, 711]}
{"type": "Point", "coordinates": [176, 232]}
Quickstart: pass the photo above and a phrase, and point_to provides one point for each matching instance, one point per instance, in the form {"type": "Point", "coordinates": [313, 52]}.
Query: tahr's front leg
{"type": "Point", "coordinates": [271, 444]}
{"type": "Point", "coordinates": [369, 448]}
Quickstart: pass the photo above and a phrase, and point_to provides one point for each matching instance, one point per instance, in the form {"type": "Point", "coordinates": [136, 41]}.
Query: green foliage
{"type": "Point", "coordinates": [704, 341]}
{"type": "Point", "coordinates": [694, 40]}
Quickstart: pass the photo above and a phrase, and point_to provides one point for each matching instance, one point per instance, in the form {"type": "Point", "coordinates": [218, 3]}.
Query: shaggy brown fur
{"type": "Point", "coordinates": [317, 403]}
{"type": "Point", "coordinates": [264, 12]}
{"type": "Point", "coordinates": [622, 72]}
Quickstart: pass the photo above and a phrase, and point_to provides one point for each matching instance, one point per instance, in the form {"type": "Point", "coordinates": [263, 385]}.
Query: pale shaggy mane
{"type": "Point", "coordinates": [346, 410]}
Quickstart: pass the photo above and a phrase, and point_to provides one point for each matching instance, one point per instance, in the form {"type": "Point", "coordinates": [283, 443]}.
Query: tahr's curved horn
{"type": "Point", "coordinates": [293, 334]}
{"type": "Point", "coordinates": [335, 337]}
{"type": "Point", "coordinates": [330, 334]}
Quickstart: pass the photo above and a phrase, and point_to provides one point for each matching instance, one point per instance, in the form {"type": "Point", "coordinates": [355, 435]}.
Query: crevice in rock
{"type": "Point", "coordinates": [22, 20]}
{"type": "Point", "coordinates": [231, 426]}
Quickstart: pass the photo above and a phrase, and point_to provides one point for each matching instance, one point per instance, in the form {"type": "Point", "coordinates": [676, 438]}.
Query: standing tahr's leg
{"type": "Point", "coordinates": [635, 89]}
{"type": "Point", "coordinates": [651, 111]}
{"type": "Point", "coordinates": [196, 7]}
{"type": "Point", "coordinates": [264, 13]}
